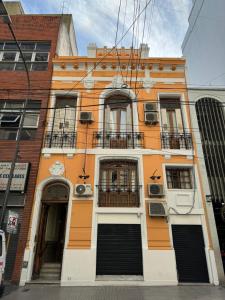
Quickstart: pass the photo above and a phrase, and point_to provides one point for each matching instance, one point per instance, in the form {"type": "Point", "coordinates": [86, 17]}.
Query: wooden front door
{"type": "Point", "coordinates": [40, 240]}
{"type": "Point", "coordinates": [49, 240]}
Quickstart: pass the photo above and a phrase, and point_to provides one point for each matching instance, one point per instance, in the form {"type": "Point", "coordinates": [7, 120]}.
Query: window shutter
{"type": "Point", "coordinates": [164, 120]}
{"type": "Point", "coordinates": [129, 118]}
{"type": "Point", "coordinates": [59, 119]}
{"type": "Point", "coordinates": [179, 120]}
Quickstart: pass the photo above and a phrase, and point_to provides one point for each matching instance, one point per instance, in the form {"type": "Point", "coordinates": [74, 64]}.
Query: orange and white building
{"type": "Point", "coordinates": [119, 196]}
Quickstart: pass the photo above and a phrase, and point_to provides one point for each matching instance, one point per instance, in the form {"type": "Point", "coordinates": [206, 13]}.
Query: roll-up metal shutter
{"type": "Point", "coordinates": [190, 253]}
{"type": "Point", "coordinates": [119, 250]}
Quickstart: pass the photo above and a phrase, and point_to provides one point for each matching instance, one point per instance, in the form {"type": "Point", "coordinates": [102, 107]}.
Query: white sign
{"type": "Point", "coordinates": [12, 222]}
{"type": "Point", "coordinates": [19, 176]}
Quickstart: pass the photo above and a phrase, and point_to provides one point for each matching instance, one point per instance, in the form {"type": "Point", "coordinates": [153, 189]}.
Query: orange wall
{"type": "Point", "coordinates": [81, 215]}
{"type": "Point", "coordinates": [81, 224]}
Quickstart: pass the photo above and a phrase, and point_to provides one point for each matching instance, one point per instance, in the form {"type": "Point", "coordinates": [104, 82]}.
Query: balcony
{"type": "Point", "coordinates": [118, 196]}
{"type": "Point", "coordinates": [57, 139]}
{"type": "Point", "coordinates": [176, 141]}
{"type": "Point", "coordinates": [118, 140]}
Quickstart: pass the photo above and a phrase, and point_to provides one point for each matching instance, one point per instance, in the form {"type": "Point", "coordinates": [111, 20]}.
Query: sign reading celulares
{"type": "Point", "coordinates": [19, 176]}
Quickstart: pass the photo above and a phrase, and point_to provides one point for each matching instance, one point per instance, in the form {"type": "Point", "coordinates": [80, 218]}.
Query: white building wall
{"type": "Point", "coordinates": [204, 44]}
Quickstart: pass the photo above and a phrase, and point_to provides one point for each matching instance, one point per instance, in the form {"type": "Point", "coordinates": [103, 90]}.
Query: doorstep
{"type": "Point", "coordinates": [119, 278]}
{"type": "Point", "coordinates": [42, 281]}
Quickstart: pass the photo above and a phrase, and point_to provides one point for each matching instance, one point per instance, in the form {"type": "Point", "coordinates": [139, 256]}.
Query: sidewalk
{"type": "Point", "coordinates": [38, 292]}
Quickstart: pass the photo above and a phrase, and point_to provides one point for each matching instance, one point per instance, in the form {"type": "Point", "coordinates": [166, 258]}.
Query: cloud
{"type": "Point", "coordinates": [165, 22]}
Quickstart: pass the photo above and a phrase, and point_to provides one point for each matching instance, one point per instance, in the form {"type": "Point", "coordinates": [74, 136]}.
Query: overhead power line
{"type": "Point", "coordinates": [113, 48]}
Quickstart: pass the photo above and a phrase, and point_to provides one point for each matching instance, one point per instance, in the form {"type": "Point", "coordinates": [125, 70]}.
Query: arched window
{"type": "Point", "coordinates": [56, 192]}
{"type": "Point", "coordinates": [118, 115]}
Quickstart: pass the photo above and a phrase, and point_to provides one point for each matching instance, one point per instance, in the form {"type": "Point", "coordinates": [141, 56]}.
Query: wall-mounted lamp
{"type": "Point", "coordinates": [154, 177]}
{"type": "Point", "coordinates": [84, 177]}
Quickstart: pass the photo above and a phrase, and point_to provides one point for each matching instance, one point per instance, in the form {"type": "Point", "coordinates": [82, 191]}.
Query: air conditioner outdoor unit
{"type": "Point", "coordinates": [155, 190]}
{"type": "Point", "coordinates": [83, 190]}
{"type": "Point", "coordinates": [86, 117]}
{"type": "Point", "coordinates": [150, 106]}
{"type": "Point", "coordinates": [151, 118]}
{"type": "Point", "coordinates": [157, 209]}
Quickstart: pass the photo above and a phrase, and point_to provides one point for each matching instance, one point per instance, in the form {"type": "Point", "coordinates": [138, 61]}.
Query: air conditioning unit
{"type": "Point", "coordinates": [86, 117]}
{"type": "Point", "coordinates": [83, 190]}
{"type": "Point", "coordinates": [150, 106]}
{"type": "Point", "coordinates": [151, 118]}
{"type": "Point", "coordinates": [157, 209]}
{"type": "Point", "coordinates": [155, 190]}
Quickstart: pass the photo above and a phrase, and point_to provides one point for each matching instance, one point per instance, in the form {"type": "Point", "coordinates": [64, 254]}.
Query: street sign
{"type": "Point", "coordinates": [12, 222]}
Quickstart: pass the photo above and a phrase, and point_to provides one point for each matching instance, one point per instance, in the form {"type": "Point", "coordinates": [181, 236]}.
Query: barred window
{"type": "Point", "coordinates": [179, 178]}
{"type": "Point", "coordinates": [36, 54]}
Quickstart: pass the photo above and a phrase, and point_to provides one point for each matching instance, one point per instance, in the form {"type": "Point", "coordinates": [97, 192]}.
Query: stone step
{"type": "Point", "coordinates": [50, 276]}
{"type": "Point", "coordinates": [51, 265]}
{"type": "Point", "coordinates": [53, 271]}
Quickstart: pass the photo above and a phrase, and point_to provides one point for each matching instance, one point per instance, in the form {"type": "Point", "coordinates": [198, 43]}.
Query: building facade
{"type": "Point", "coordinates": [118, 196]}
{"type": "Point", "coordinates": [41, 37]}
{"type": "Point", "coordinates": [206, 85]}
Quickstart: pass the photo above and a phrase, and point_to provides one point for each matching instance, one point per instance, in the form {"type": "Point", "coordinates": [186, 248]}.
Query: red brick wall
{"type": "Point", "coordinates": [13, 85]}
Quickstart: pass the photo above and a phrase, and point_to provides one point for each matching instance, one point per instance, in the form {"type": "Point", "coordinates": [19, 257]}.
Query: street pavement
{"type": "Point", "coordinates": [49, 292]}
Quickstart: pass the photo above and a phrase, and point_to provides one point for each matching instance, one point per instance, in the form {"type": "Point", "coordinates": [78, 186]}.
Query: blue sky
{"type": "Point", "coordinates": [163, 26]}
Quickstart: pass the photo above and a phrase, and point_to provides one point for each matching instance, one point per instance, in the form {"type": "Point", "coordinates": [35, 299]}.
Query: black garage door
{"type": "Point", "coordinates": [119, 250]}
{"type": "Point", "coordinates": [190, 253]}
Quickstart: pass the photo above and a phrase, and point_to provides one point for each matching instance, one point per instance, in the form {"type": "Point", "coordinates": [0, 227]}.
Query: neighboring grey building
{"type": "Point", "coordinates": [204, 49]}
{"type": "Point", "coordinates": [204, 44]}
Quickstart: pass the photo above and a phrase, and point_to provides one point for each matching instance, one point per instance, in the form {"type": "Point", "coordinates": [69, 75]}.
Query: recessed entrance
{"type": "Point", "coordinates": [50, 237]}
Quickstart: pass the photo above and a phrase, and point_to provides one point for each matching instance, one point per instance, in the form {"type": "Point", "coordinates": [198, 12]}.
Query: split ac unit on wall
{"type": "Point", "coordinates": [83, 190]}
{"type": "Point", "coordinates": [148, 106]}
{"type": "Point", "coordinates": [155, 190]}
{"type": "Point", "coordinates": [151, 114]}
{"type": "Point", "coordinates": [151, 118]}
{"type": "Point", "coordinates": [86, 117]}
{"type": "Point", "coordinates": [157, 209]}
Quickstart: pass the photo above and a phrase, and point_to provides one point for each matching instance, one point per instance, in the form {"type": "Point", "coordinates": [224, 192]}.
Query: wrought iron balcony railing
{"type": "Point", "coordinates": [57, 139]}
{"type": "Point", "coordinates": [176, 140]}
{"type": "Point", "coordinates": [118, 195]}
{"type": "Point", "coordinates": [118, 140]}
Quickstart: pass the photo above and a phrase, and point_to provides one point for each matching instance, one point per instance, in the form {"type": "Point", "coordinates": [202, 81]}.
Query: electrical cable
{"type": "Point", "coordinates": [19, 133]}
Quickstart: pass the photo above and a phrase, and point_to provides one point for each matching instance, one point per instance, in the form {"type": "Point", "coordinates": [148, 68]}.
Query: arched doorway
{"type": "Point", "coordinates": [50, 237]}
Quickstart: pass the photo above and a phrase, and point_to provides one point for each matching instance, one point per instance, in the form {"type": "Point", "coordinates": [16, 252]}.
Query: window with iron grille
{"type": "Point", "coordinates": [11, 116]}
{"type": "Point", "coordinates": [179, 178]}
{"type": "Point", "coordinates": [61, 133]}
{"type": "Point", "coordinates": [36, 55]}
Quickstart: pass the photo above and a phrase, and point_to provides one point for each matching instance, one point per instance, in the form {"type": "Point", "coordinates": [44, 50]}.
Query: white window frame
{"type": "Point", "coordinates": [31, 62]}
{"type": "Point", "coordinates": [5, 111]}
{"type": "Point", "coordinates": [189, 167]}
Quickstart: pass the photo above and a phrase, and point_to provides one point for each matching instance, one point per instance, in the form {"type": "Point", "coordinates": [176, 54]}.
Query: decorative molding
{"type": "Point", "coordinates": [117, 82]}
{"type": "Point", "coordinates": [148, 84]}
{"type": "Point", "coordinates": [88, 83]}
{"type": "Point", "coordinates": [57, 169]}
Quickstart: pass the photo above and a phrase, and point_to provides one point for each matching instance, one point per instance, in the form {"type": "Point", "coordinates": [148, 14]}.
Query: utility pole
{"type": "Point", "coordinates": [7, 20]}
